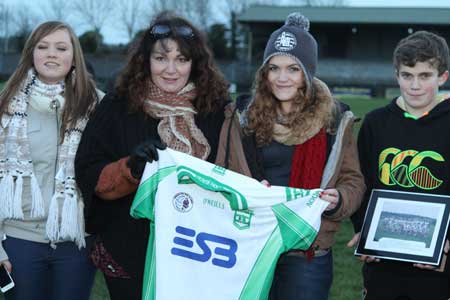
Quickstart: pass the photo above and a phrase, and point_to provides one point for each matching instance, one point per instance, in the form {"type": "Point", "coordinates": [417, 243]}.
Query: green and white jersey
{"type": "Point", "coordinates": [216, 234]}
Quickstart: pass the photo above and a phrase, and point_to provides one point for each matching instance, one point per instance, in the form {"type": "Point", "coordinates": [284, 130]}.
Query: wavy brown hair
{"type": "Point", "coordinates": [211, 87]}
{"type": "Point", "coordinates": [80, 93]}
{"type": "Point", "coordinates": [262, 111]}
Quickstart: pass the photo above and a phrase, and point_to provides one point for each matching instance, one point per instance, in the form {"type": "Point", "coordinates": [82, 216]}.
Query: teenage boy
{"type": "Point", "coordinates": [411, 135]}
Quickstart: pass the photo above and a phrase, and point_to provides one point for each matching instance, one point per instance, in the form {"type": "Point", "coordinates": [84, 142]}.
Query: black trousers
{"type": "Point", "coordinates": [124, 289]}
{"type": "Point", "coordinates": [387, 284]}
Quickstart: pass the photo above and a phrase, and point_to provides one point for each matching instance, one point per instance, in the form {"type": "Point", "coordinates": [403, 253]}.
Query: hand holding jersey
{"type": "Point", "coordinates": [145, 152]}
{"type": "Point", "coordinates": [329, 195]}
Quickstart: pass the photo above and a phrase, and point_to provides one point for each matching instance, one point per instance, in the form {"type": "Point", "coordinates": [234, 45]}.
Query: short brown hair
{"type": "Point", "coordinates": [422, 46]}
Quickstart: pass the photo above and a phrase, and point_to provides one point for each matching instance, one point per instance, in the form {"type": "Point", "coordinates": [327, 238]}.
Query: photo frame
{"type": "Point", "coordinates": [405, 226]}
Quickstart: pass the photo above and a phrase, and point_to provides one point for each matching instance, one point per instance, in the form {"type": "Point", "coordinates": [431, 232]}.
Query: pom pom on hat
{"type": "Point", "coordinates": [298, 20]}
{"type": "Point", "coordinates": [294, 40]}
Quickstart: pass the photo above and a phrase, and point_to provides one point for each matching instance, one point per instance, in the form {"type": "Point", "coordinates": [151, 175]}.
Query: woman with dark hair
{"type": "Point", "coordinates": [170, 93]}
{"type": "Point", "coordinates": [297, 135]}
{"type": "Point", "coordinates": [44, 109]}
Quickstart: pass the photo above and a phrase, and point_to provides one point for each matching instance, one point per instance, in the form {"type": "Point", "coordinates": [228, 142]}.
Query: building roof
{"type": "Point", "coordinates": [349, 15]}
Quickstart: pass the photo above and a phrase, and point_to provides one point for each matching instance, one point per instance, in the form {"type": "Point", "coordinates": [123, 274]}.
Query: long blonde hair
{"type": "Point", "coordinates": [80, 93]}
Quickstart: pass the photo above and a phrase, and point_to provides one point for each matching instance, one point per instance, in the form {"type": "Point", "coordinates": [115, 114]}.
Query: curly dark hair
{"type": "Point", "coordinates": [212, 88]}
{"type": "Point", "coordinates": [422, 46]}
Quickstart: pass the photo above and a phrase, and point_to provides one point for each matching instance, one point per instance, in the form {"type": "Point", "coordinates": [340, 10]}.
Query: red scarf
{"type": "Point", "coordinates": [308, 162]}
{"type": "Point", "coordinates": [307, 167]}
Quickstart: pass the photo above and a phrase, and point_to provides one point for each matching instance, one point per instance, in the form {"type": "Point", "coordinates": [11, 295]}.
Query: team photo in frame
{"type": "Point", "coordinates": [405, 226]}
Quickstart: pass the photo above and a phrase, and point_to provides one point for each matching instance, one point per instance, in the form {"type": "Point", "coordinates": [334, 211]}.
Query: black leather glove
{"type": "Point", "coordinates": [145, 152]}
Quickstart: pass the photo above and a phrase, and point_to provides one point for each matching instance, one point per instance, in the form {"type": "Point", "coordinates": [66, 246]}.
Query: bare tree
{"type": "Point", "coordinates": [94, 13]}
{"type": "Point", "coordinates": [201, 10]}
{"type": "Point", "coordinates": [5, 25]}
{"type": "Point", "coordinates": [160, 5]}
{"type": "Point", "coordinates": [56, 10]}
{"type": "Point", "coordinates": [233, 9]}
{"type": "Point", "coordinates": [24, 19]}
{"type": "Point", "coordinates": [129, 14]}
{"type": "Point", "coordinates": [157, 6]}
{"type": "Point", "coordinates": [325, 2]}
{"type": "Point", "coordinates": [198, 11]}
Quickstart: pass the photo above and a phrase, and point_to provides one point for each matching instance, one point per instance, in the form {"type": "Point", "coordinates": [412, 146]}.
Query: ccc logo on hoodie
{"type": "Point", "coordinates": [393, 168]}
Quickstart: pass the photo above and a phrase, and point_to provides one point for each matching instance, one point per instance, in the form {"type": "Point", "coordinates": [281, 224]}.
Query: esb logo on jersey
{"type": "Point", "coordinates": [186, 240]}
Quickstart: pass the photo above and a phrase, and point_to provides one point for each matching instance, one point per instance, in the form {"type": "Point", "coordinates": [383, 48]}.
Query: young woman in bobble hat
{"type": "Point", "coordinates": [297, 135]}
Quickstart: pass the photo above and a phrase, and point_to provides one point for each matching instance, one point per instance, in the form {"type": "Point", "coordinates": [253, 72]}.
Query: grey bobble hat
{"type": "Point", "coordinates": [294, 40]}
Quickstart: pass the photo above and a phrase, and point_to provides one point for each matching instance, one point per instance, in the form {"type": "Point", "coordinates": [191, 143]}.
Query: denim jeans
{"type": "Point", "coordinates": [43, 273]}
{"type": "Point", "coordinates": [296, 278]}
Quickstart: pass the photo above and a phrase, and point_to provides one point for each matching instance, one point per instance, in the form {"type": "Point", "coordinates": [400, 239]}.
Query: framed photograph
{"type": "Point", "coordinates": [405, 226]}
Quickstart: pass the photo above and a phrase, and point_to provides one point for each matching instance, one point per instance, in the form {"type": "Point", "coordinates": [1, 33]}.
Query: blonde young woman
{"type": "Point", "coordinates": [44, 108]}
{"type": "Point", "coordinates": [297, 135]}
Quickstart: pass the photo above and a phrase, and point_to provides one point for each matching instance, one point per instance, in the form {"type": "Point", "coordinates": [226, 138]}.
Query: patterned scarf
{"type": "Point", "coordinates": [16, 163]}
{"type": "Point", "coordinates": [177, 127]}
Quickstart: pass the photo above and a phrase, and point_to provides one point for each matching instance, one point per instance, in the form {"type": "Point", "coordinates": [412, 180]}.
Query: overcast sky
{"type": "Point", "coordinates": [113, 33]}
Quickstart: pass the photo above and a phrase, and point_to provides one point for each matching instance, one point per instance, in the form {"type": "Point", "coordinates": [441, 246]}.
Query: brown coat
{"type": "Point", "coordinates": [343, 173]}
{"type": "Point", "coordinates": [342, 170]}
{"type": "Point", "coordinates": [230, 143]}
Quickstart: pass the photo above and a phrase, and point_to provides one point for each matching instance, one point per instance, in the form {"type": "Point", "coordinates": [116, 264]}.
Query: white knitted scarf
{"type": "Point", "coordinates": [16, 163]}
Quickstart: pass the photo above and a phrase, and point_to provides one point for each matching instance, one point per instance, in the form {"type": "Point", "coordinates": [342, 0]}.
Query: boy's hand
{"type": "Point", "coordinates": [429, 267]}
{"type": "Point", "coordinates": [363, 258]}
{"type": "Point", "coordinates": [354, 240]}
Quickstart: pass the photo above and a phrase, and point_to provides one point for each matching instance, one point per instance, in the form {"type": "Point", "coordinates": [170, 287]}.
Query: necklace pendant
{"type": "Point", "coordinates": [54, 104]}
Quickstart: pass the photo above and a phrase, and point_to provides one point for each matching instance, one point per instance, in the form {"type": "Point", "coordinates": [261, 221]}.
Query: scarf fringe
{"type": "Point", "coordinates": [17, 201]}
{"type": "Point", "coordinates": [72, 220]}
{"type": "Point", "coordinates": [69, 217]}
{"type": "Point", "coordinates": [37, 203]}
{"type": "Point", "coordinates": [52, 226]}
{"type": "Point", "coordinates": [7, 192]}
{"type": "Point", "coordinates": [79, 239]}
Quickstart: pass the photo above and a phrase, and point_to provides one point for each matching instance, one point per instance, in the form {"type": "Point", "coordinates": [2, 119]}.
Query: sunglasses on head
{"type": "Point", "coordinates": [162, 31]}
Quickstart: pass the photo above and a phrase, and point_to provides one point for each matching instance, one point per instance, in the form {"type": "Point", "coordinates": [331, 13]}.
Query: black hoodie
{"type": "Point", "coordinates": [398, 152]}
